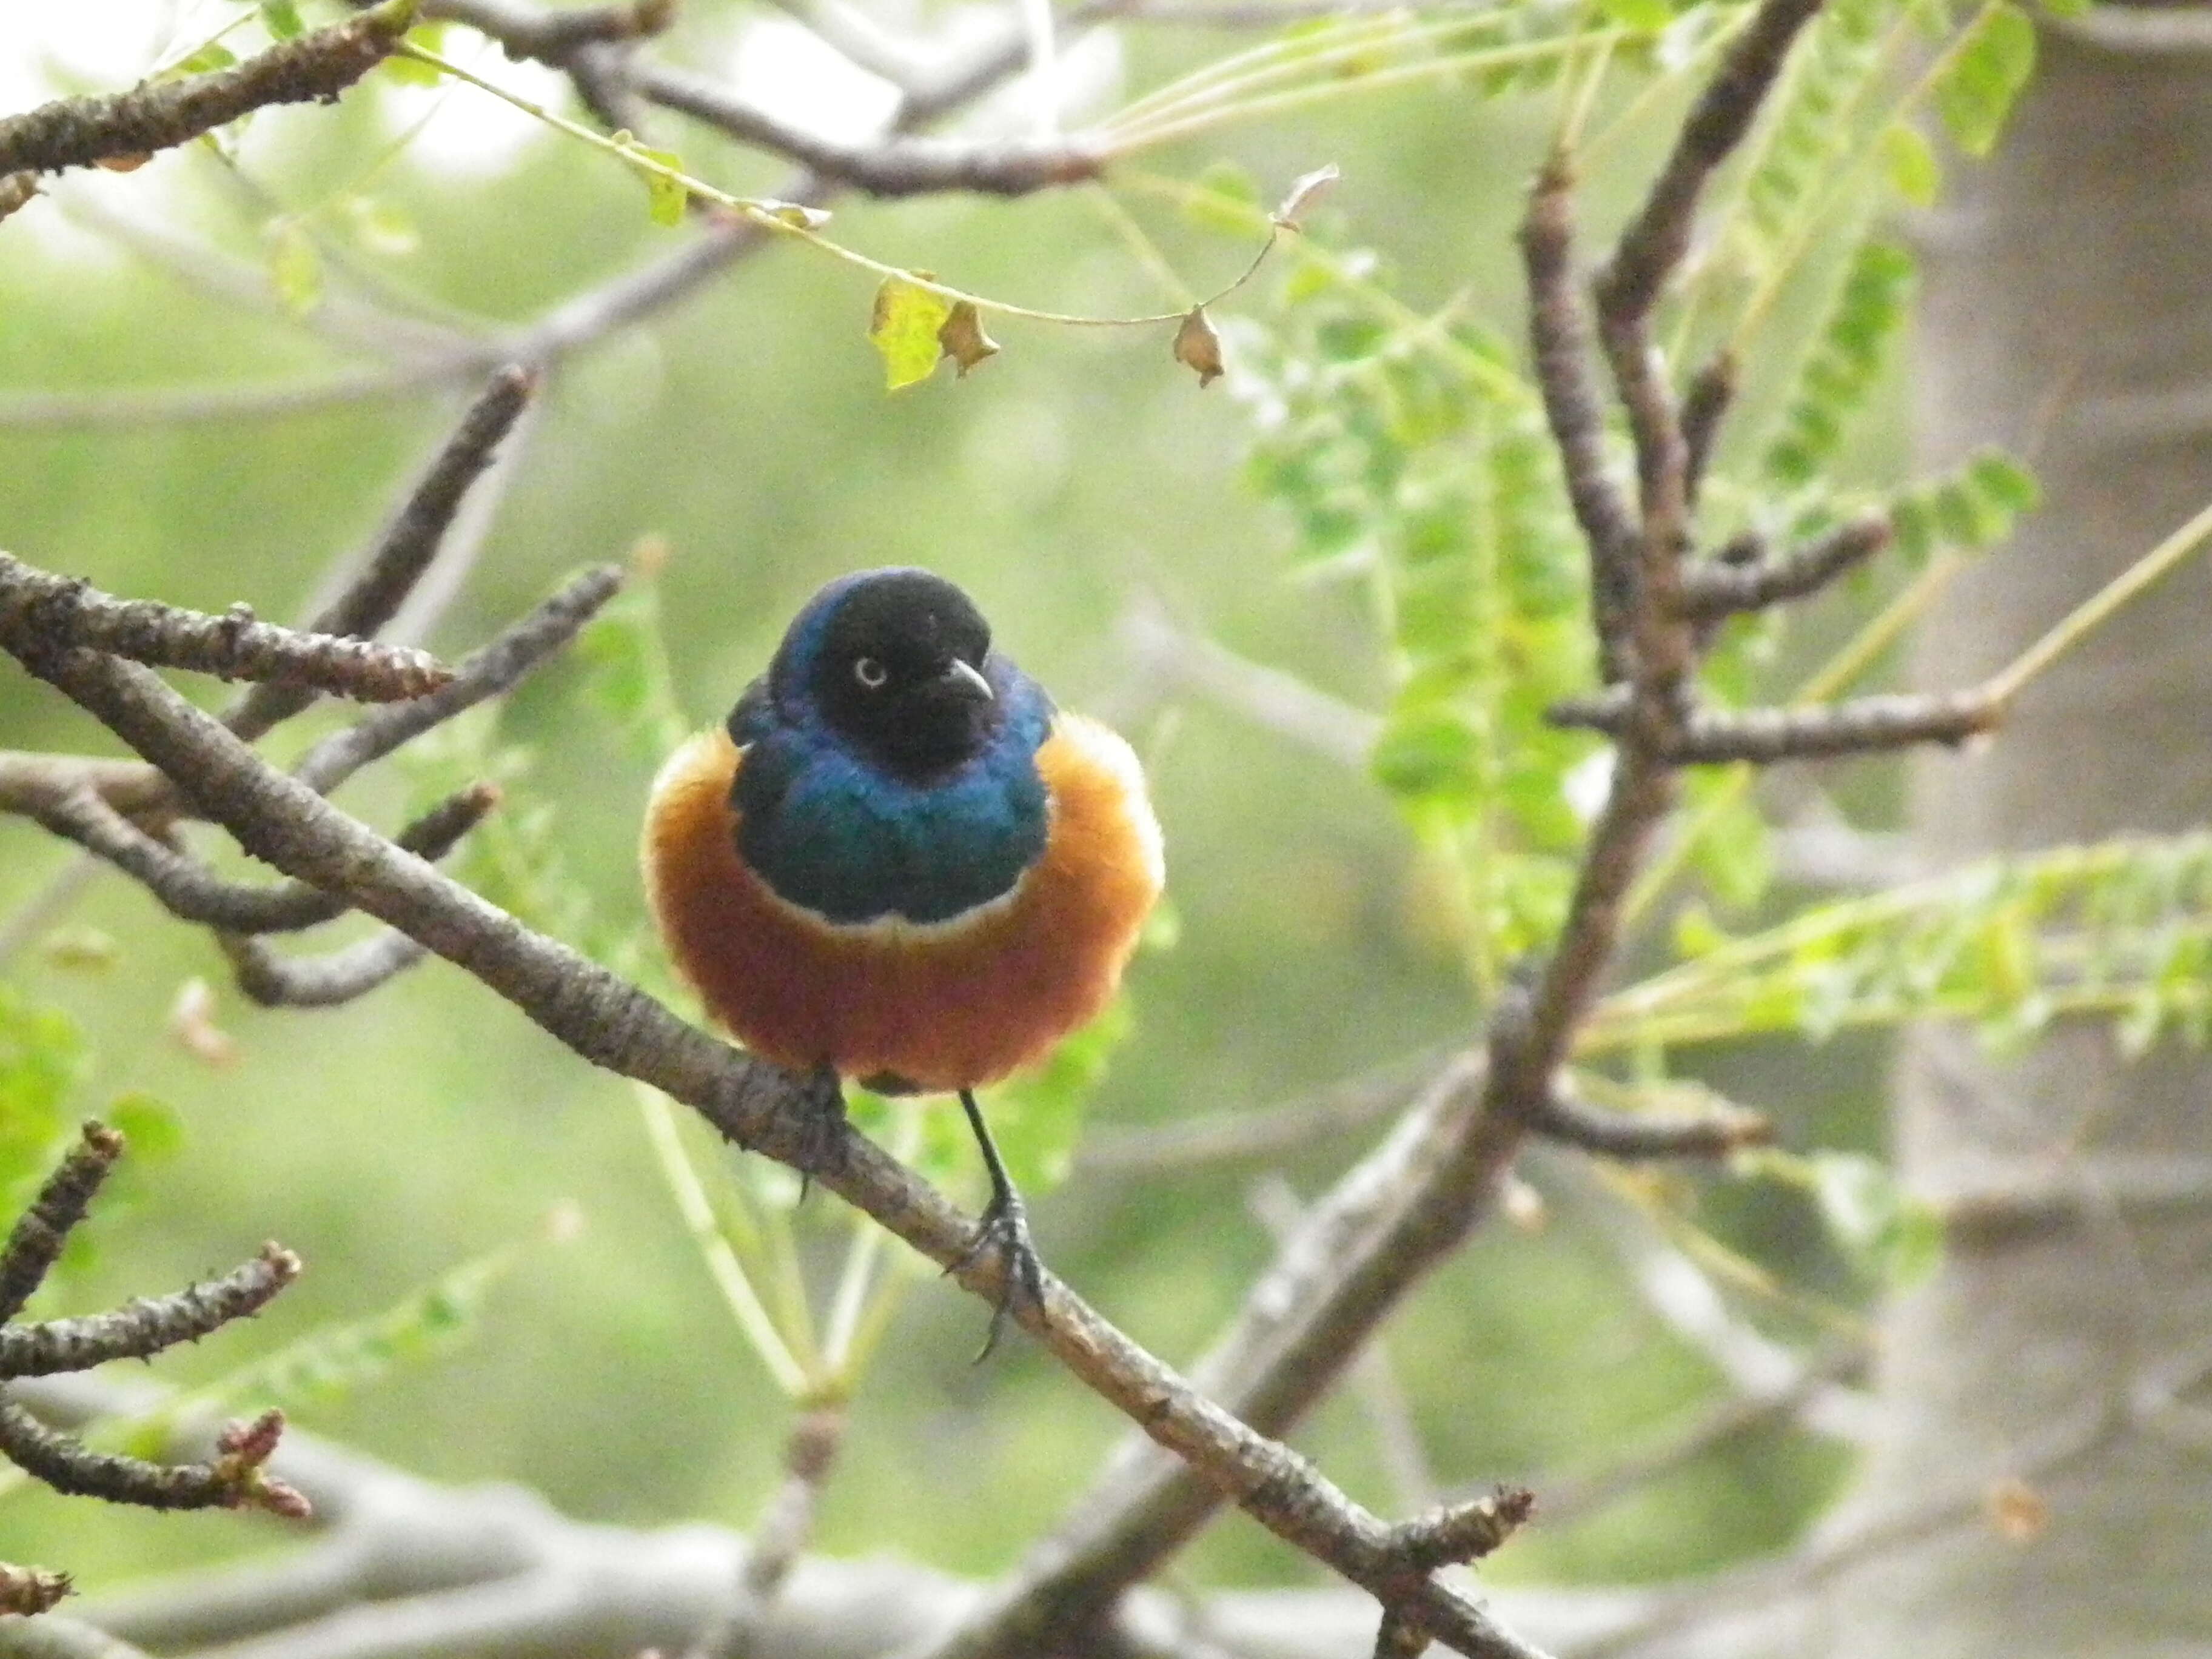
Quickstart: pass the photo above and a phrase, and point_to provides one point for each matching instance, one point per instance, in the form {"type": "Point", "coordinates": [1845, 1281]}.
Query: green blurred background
{"type": "Point", "coordinates": [1078, 472]}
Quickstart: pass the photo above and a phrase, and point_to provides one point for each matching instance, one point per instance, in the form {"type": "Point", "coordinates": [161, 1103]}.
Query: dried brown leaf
{"type": "Point", "coordinates": [2018, 1511]}
{"type": "Point", "coordinates": [1197, 346]}
{"type": "Point", "coordinates": [963, 339]}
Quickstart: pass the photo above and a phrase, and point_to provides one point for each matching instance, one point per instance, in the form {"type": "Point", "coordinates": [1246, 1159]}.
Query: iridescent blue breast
{"type": "Point", "coordinates": [834, 834]}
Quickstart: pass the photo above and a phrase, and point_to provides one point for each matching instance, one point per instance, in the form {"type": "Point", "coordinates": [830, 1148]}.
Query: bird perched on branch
{"type": "Point", "coordinates": [897, 862]}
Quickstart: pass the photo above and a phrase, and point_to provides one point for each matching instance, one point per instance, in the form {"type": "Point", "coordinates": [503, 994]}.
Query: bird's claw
{"type": "Point", "coordinates": [1004, 1229]}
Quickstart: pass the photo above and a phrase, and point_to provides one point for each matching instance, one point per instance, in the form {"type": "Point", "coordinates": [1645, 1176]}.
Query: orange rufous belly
{"type": "Point", "coordinates": [943, 1006]}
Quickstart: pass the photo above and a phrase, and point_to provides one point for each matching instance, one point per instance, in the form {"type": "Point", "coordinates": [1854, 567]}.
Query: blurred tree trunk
{"type": "Point", "coordinates": [2067, 312]}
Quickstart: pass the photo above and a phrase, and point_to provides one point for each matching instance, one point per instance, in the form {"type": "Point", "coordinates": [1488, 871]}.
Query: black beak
{"type": "Point", "coordinates": [966, 681]}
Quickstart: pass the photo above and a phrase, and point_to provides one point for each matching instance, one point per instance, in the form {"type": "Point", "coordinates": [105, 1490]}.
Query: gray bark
{"type": "Point", "coordinates": [2068, 309]}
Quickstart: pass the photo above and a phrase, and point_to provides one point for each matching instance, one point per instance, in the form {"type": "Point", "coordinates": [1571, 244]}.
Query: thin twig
{"type": "Point", "coordinates": [408, 544]}
{"type": "Point", "coordinates": [1768, 736]}
{"type": "Point", "coordinates": [193, 892]}
{"type": "Point", "coordinates": [785, 1529]}
{"type": "Point", "coordinates": [329, 980]}
{"type": "Point", "coordinates": [233, 1480]}
{"type": "Point", "coordinates": [143, 1329]}
{"type": "Point", "coordinates": [1560, 338]}
{"type": "Point", "coordinates": [484, 674]}
{"type": "Point", "coordinates": [894, 165]}
{"type": "Point", "coordinates": [1712, 1133]}
{"type": "Point", "coordinates": [1717, 588]}
{"type": "Point", "coordinates": [35, 1241]}
{"type": "Point", "coordinates": [43, 612]}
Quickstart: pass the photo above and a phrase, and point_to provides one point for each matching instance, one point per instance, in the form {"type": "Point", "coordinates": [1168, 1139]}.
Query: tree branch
{"type": "Point", "coordinates": [191, 892]}
{"type": "Point", "coordinates": [409, 544]}
{"type": "Point", "coordinates": [892, 166]}
{"type": "Point", "coordinates": [484, 674]}
{"type": "Point", "coordinates": [1717, 588]}
{"type": "Point", "coordinates": [140, 1329]}
{"type": "Point", "coordinates": [44, 612]}
{"type": "Point", "coordinates": [1559, 342]}
{"type": "Point", "coordinates": [282, 821]}
{"type": "Point", "coordinates": [1713, 1133]}
{"type": "Point", "coordinates": [75, 132]}
{"type": "Point", "coordinates": [1768, 735]}
{"type": "Point", "coordinates": [328, 981]}
{"type": "Point", "coordinates": [35, 1241]}
{"type": "Point", "coordinates": [143, 1329]}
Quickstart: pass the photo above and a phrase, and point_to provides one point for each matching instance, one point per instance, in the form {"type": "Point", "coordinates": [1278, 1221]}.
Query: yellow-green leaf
{"type": "Point", "coordinates": [1910, 160]}
{"type": "Point", "coordinates": [665, 199]}
{"type": "Point", "coordinates": [904, 329]}
{"type": "Point", "coordinates": [1987, 69]}
{"type": "Point", "coordinates": [295, 269]}
{"type": "Point", "coordinates": [412, 71]}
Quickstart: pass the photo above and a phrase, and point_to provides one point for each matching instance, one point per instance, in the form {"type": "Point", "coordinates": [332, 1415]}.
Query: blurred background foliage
{"type": "Point", "coordinates": [498, 1286]}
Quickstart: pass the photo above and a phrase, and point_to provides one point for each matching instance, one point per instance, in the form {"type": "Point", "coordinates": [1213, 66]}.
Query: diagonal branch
{"type": "Point", "coordinates": [484, 674]}
{"type": "Point", "coordinates": [75, 132]}
{"type": "Point", "coordinates": [35, 1241]}
{"type": "Point", "coordinates": [405, 551]}
{"type": "Point", "coordinates": [613, 1023]}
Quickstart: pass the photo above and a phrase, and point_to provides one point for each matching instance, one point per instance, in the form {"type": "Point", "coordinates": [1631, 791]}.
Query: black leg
{"type": "Point", "coordinates": [822, 1132]}
{"type": "Point", "coordinates": [1005, 1228]}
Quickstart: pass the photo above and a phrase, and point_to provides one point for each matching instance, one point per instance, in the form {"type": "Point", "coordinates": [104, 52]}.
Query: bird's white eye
{"type": "Point", "coordinates": [870, 672]}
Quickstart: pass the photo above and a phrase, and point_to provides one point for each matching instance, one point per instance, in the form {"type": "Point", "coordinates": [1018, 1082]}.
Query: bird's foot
{"type": "Point", "coordinates": [1004, 1229]}
{"type": "Point", "coordinates": [821, 1127]}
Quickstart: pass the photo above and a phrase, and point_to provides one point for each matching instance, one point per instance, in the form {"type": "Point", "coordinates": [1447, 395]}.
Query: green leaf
{"type": "Point", "coordinates": [627, 680]}
{"type": "Point", "coordinates": [1037, 1118]}
{"type": "Point", "coordinates": [1988, 67]}
{"type": "Point", "coordinates": [1909, 160]}
{"type": "Point", "coordinates": [150, 1125]}
{"type": "Point", "coordinates": [282, 19]}
{"type": "Point", "coordinates": [665, 199]}
{"type": "Point", "coordinates": [1644, 16]}
{"type": "Point", "coordinates": [904, 328]}
{"type": "Point", "coordinates": [209, 59]}
{"type": "Point", "coordinates": [296, 270]}
{"type": "Point", "coordinates": [2003, 483]}
{"type": "Point", "coordinates": [1226, 199]}
{"type": "Point", "coordinates": [1428, 751]}
{"type": "Point", "coordinates": [413, 72]}
{"type": "Point", "coordinates": [338, 1359]}
{"type": "Point", "coordinates": [1871, 306]}
{"type": "Point", "coordinates": [42, 1060]}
